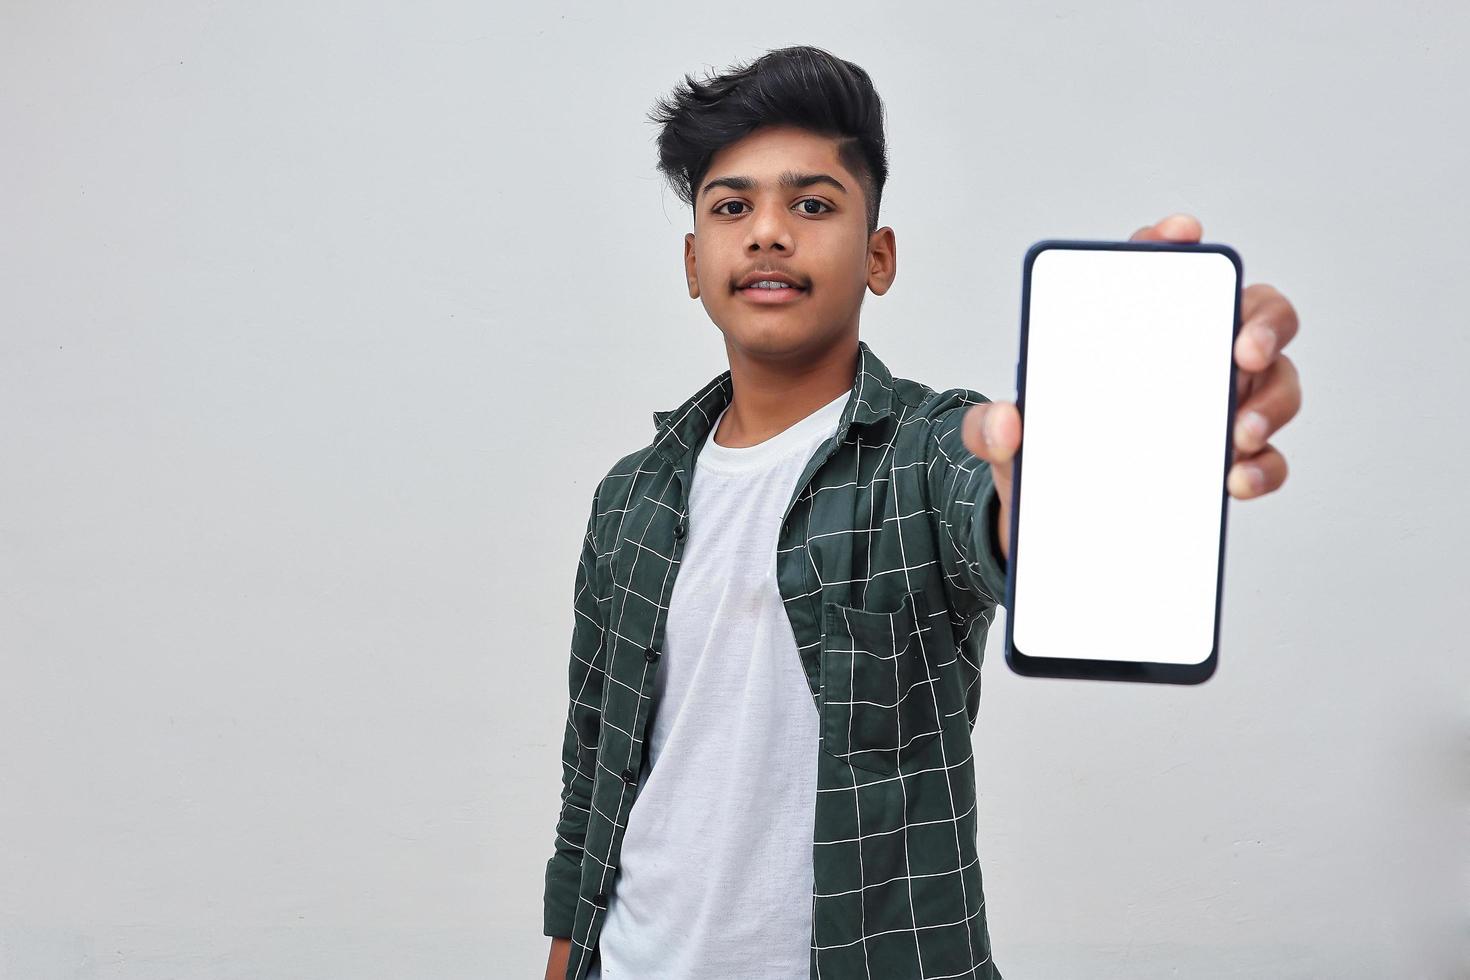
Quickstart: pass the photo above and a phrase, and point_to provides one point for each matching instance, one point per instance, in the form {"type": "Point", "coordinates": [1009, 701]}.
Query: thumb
{"type": "Point", "coordinates": [992, 431]}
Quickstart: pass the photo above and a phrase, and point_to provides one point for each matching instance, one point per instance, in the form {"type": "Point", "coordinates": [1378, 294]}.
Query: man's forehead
{"type": "Point", "coordinates": [784, 166]}
{"type": "Point", "coordinates": [778, 148]}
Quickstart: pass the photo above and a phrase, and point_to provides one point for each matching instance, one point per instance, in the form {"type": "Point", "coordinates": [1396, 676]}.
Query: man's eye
{"type": "Point", "coordinates": [719, 209]}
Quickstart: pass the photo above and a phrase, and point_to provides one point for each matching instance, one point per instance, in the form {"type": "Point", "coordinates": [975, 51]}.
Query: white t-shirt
{"type": "Point", "coordinates": [716, 866]}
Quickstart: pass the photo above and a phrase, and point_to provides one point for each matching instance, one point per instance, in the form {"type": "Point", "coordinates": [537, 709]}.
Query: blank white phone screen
{"type": "Point", "coordinates": [1126, 421]}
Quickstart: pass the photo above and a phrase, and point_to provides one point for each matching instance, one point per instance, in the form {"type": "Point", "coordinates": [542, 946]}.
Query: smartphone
{"type": "Point", "coordinates": [1126, 389]}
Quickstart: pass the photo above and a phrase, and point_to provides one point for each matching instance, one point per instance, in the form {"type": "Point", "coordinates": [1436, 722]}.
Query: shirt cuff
{"type": "Point", "coordinates": [990, 562]}
{"type": "Point", "coordinates": [563, 884]}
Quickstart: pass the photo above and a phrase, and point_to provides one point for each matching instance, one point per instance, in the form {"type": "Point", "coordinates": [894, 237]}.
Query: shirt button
{"type": "Point", "coordinates": [600, 900]}
{"type": "Point", "coordinates": [629, 776]}
{"type": "Point", "coordinates": [679, 530]}
{"type": "Point", "coordinates": [650, 654]}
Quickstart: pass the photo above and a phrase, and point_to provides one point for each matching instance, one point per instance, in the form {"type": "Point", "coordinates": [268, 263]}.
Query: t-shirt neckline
{"type": "Point", "coordinates": [823, 420]}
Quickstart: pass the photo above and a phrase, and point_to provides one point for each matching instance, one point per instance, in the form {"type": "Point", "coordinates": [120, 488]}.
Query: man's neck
{"type": "Point", "coordinates": [770, 397]}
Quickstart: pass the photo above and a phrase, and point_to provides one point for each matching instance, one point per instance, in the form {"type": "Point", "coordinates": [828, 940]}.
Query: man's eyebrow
{"type": "Point", "coordinates": [789, 179]}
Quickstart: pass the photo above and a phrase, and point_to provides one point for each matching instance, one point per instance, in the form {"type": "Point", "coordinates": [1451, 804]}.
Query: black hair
{"type": "Point", "coordinates": [800, 86]}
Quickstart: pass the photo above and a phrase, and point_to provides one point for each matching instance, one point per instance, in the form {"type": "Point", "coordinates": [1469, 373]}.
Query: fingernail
{"type": "Point", "coordinates": [1247, 479]}
{"type": "Point", "coordinates": [1266, 340]}
{"type": "Point", "coordinates": [988, 428]}
{"type": "Point", "coordinates": [1251, 429]}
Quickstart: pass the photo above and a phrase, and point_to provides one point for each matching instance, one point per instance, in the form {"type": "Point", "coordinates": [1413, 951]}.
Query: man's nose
{"type": "Point", "coordinates": [769, 229]}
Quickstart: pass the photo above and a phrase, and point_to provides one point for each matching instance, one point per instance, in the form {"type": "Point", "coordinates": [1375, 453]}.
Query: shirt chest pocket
{"type": "Point", "coordinates": [880, 692]}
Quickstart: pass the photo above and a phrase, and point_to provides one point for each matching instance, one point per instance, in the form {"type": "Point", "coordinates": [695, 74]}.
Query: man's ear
{"type": "Point", "coordinates": [882, 260]}
{"type": "Point", "coordinates": [689, 272]}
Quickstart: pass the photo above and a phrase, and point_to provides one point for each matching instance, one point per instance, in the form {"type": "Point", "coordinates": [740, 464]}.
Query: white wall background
{"type": "Point", "coordinates": [319, 323]}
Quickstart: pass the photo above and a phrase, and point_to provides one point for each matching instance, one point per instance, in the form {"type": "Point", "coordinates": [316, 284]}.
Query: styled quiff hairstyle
{"type": "Point", "coordinates": [799, 86]}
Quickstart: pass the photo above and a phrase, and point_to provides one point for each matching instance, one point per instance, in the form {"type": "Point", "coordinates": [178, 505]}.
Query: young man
{"type": "Point", "coordinates": [782, 601]}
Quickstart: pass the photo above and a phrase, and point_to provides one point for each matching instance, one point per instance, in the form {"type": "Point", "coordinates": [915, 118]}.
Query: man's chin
{"type": "Point", "coordinates": [774, 338]}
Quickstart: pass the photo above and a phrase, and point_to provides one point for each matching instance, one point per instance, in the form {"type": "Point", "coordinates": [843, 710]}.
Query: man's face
{"type": "Point", "coordinates": [747, 222]}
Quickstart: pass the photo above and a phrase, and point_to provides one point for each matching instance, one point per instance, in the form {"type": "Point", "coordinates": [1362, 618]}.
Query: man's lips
{"type": "Point", "coordinates": [772, 297]}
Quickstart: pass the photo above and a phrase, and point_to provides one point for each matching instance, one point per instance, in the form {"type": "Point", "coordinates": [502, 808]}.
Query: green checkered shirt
{"type": "Point", "coordinates": [890, 573]}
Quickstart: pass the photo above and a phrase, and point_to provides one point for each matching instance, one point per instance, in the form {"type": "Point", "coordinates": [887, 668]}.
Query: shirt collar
{"type": "Point", "coordinates": [680, 429]}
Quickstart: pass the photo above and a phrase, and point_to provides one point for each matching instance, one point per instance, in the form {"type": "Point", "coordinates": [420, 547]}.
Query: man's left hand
{"type": "Point", "coordinates": [1268, 392]}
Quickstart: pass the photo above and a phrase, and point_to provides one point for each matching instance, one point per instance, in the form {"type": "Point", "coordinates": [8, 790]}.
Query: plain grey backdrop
{"type": "Point", "coordinates": [320, 322]}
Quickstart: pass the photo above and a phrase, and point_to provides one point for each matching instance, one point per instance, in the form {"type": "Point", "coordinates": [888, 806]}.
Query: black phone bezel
{"type": "Point", "coordinates": [1117, 670]}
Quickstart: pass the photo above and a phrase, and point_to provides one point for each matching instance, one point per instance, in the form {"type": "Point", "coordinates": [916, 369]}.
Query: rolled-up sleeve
{"type": "Point", "coordinates": [585, 677]}
{"type": "Point", "coordinates": [966, 507]}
